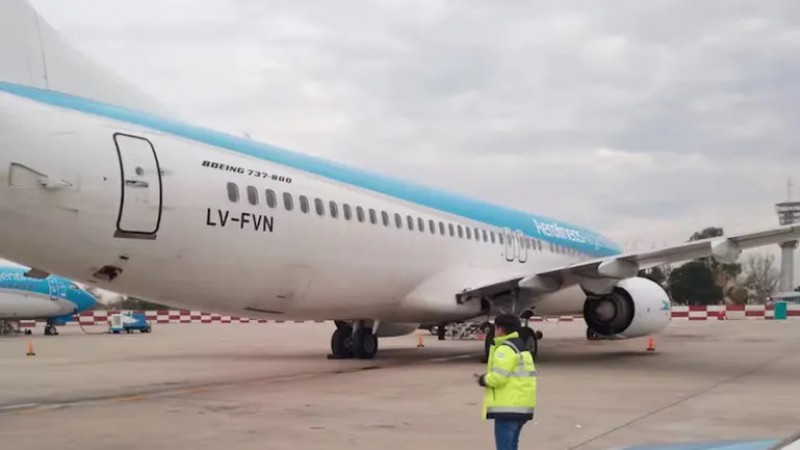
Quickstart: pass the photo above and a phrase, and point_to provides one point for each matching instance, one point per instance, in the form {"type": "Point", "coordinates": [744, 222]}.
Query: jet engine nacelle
{"type": "Point", "coordinates": [636, 307]}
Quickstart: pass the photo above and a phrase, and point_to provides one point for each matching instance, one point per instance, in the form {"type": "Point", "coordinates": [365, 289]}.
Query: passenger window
{"type": "Point", "coordinates": [334, 209]}
{"type": "Point", "coordinates": [485, 237]}
{"type": "Point", "coordinates": [441, 228]}
{"type": "Point", "coordinates": [287, 201]}
{"type": "Point", "coordinates": [432, 226]}
{"type": "Point", "coordinates": [233, 192]}
{"type": "Point", "coordinates": [252, 195]}
{"type": "Point", "coordinates": [398, 221]}
{"type": "Point", "coordinates": [469, 232]}
{"type": "Point", "coordinates": [410, 221]}
{"type": "Point", "coordinates": [421, 224]}
{"type": "Point", "coordinates": [491, 233]}
{"type": "Point", "coordinates": [319, 206]}
{"type": "Point", "coordinates": [373, 216]}
{"type": "Point", "coordinates": [272, 200]}
{"type": "Point", "coordinates": [461, 232]}
{"type": "Point", "coordinates": [500, 237]}
{"type": "Point", "coordinates": [477, 234]}
{"type": "Point", "coordinates": [360, 213]}
{"type": "Point", "coordinates": [303, 203]}
{"type": "Point", "coordinates": [348, 214]}
{"type": "Point", "coordinates": [452, 230]}
{"type": "Point", "coordinates": [385, 217]}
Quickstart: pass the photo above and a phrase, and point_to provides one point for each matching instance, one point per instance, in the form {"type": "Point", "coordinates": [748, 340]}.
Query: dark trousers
{"type": "Point", "coordinates": [506, 433]}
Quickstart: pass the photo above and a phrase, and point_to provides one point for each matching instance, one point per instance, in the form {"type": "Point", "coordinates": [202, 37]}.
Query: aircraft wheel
{"type": "Point", "coordinates": [341, 343]}
{"type": "Point", "coordinates": [365, 344]}
{"type": "Point", "coordinates": [531, 339]}
{"type": "Point", "coordinates": [488, 342]}
{"type": "Point", "coordinates": [591, 335]}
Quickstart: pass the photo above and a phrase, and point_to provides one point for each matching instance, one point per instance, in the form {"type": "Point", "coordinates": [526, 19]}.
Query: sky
{"type": "Point", "coordinates": [645, 121]}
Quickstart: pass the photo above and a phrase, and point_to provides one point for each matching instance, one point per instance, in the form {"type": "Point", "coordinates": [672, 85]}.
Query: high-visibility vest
{"type": "Point", "coordinates": [510, 380]}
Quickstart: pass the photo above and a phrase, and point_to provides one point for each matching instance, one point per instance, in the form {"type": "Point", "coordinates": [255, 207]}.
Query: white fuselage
{"type": "Point", "coordinates": [31, 305]}
{"type": "Point", "coordinates": [236, 257]}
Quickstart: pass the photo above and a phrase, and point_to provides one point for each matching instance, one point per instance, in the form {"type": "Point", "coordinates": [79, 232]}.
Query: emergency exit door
{"type": "Point", "coordinates": [141, 197]}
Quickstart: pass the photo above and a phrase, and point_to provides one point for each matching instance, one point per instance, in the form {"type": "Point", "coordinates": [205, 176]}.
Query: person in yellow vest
{"type": "Point", "coordinates": [509, 383]}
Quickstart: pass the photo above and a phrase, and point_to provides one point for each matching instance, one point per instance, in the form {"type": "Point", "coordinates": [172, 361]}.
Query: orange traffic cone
{"type": "Point", "coordinates": [419, 341]}
{"type": "Point", "coordinates": [651, 346]}
{"type": "Point", "coordinates": [30, 348]}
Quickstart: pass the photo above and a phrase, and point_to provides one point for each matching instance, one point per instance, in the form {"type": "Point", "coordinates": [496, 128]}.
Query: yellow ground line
{"type": "Point", "coordinates": [129, 398]}
{"type": "Point", "coordinates": [196, 390]}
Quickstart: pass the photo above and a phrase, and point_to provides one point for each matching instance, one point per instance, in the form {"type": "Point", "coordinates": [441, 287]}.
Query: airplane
{"type": "Point", "coordinates": [53, 299]}
{"type": "Point", "coordinates": [101, 184]}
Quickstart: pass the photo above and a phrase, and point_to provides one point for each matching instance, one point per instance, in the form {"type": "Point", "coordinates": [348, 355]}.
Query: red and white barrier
{"type": "Point", "coordinates": [731, 312]}
{"type": "Point", "coordinates": [168, 316]}
{"type": "Point", "coordinates": [692, 312]}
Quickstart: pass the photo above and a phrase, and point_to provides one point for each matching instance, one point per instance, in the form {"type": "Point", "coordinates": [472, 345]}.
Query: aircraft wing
{"type": "Point", "coordinates": [599, 275]}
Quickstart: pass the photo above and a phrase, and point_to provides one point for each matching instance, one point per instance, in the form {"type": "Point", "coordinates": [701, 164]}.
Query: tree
{"type": "Point", "coordinates": [137, 304]}
{"type": "Point", "coordinates": [654, 274]}
{"type": "Point", "coordinates": [739, 294]}
{"type": "Point", "coordinates": [761, 276]}
{"type": "Point", "coordinates": [725, 275]}
{"type": "Point", "coordinates": [708, 232]}
{"type": "Point", "coordinates": [693, 283]}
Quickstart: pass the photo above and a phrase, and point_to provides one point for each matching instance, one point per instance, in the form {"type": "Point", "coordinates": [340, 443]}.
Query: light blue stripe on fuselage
{"type": "Point", "coordinates": [13, 279]}
{"type": "Point", "coordinates": [531, 225]}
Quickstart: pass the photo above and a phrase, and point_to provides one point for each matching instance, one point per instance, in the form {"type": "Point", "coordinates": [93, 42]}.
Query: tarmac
{"type": "Point", "coordinates": [257, 386]}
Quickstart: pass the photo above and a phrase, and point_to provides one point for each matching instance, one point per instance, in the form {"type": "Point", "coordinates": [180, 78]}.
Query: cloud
{"type": "Point", "coordinates": [644, 120]}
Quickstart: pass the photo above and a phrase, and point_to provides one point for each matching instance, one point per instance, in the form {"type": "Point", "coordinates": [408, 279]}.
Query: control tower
{"type": "Point", "coordinates": [788, 214]}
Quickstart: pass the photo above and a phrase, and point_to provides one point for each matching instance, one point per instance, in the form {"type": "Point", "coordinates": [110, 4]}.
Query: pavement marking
{"type": "Point", "coordinates": [28, 408]}
{"type": "Point", "coordinates": [761, 365]}
{"type": "Point", "coordinates": [129, 398]}
{"type": "Point", "coordinates": [10, 408]}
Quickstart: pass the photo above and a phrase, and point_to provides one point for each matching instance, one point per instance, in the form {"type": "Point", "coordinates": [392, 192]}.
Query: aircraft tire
{"type": "Point", "coordinates": [487, 343]}
{"type": "Point", "coordinates": [341, 343]}
{"type": "Point", "coordinates": [531, 341]}
{"type": "Point", "coordinates": [365, 343]}
{"type": "Point", "coordinates": [591, 335]}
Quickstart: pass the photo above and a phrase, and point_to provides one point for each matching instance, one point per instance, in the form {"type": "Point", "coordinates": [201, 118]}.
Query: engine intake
{"type": "Point", "coordinates": [636, 307]}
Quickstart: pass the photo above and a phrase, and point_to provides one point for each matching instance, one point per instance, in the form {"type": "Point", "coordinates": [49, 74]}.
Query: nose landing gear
{"type": "Point", "coordinates": [50, 330]}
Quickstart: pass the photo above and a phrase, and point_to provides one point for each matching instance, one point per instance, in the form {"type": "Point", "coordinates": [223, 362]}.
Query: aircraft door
{"type": "Point", "coordinates": [510, 244]}
{"type": "Point", "coordinates": [522, 254]}
{"type": "Point", "coordinates": [140, 201]}
{"type": "Point", "coordinates": [55, 289]}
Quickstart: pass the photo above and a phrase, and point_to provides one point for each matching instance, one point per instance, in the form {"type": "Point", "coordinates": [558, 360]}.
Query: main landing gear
{"type": "Point", "coordinates": [592, 336]}
{"type": "Point", "coordinates": [355, 340]}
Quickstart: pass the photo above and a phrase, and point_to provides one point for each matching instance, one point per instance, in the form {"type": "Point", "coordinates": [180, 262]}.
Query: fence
{"type": "Point", "coordinates": [709, 312]}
